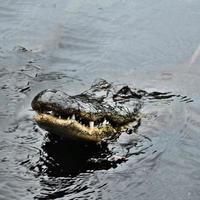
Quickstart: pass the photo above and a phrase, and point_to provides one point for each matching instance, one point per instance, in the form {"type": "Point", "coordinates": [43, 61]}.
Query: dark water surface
{"type": "Point", "coordinates": [151, 45]}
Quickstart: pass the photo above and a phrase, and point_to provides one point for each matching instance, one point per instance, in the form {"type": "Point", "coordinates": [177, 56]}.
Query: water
{"type": "Point", "coordinates": [151, 45]}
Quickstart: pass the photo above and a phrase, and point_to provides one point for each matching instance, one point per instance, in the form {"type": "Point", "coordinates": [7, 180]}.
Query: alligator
{"type": "Point", "coordinates": [103, 111]}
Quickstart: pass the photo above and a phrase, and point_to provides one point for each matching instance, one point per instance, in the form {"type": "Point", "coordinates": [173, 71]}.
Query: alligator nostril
{"type": "Point", "coordinates": [129, 131]}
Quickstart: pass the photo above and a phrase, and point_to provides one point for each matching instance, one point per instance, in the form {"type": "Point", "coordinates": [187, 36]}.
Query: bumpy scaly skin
{"type": "Point", "coordinates": [92, 115]}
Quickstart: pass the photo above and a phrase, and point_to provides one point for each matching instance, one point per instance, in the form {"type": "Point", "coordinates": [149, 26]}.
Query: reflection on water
{"type": "Point", "coordinates": [61, 158]}
{"type": "Point", "coordinates": [151, 45]}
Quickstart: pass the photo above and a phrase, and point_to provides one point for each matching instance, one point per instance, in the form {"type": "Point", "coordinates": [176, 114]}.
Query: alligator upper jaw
{"type": "Point", "coordinates": [72, 129]}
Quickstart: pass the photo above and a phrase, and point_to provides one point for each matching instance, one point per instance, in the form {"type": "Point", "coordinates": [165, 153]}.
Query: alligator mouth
{"type": "Point", "coordinates": [78, 127]}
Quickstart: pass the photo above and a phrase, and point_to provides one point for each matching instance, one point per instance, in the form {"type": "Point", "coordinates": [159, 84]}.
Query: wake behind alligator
{"type": "Point", "coordinates": [104, 111]}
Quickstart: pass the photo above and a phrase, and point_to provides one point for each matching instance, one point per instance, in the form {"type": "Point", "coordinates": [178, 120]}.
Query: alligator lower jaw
{"type": "Point", "coordinates": [72, 129]}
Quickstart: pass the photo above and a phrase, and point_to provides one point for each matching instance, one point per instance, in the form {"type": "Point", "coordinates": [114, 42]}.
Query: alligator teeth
{"type": "Point", "coordinates": [104, 122]}
{"type": "Point", "coordinates": [73, 117]}
{"type": "Point", "coordinates": [91, 124]}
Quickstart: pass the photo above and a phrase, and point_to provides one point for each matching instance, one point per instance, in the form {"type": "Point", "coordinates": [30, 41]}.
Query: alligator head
{"type": "Point", "coordinates": [93, 115]}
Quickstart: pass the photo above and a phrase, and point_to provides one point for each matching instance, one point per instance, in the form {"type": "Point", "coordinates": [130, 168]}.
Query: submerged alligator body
{"type": "Point", "coordinates": [96, 114]}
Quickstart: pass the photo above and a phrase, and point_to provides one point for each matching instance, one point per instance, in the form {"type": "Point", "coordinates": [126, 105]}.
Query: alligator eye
{"type": "Point", "coordinates": [125, 90]}
{"type": "Point", "coordinates": [126, 93]}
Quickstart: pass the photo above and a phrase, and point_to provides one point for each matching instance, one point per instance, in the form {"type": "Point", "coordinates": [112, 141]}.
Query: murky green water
{"type": "Point", "coordinates": [151, 45]}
